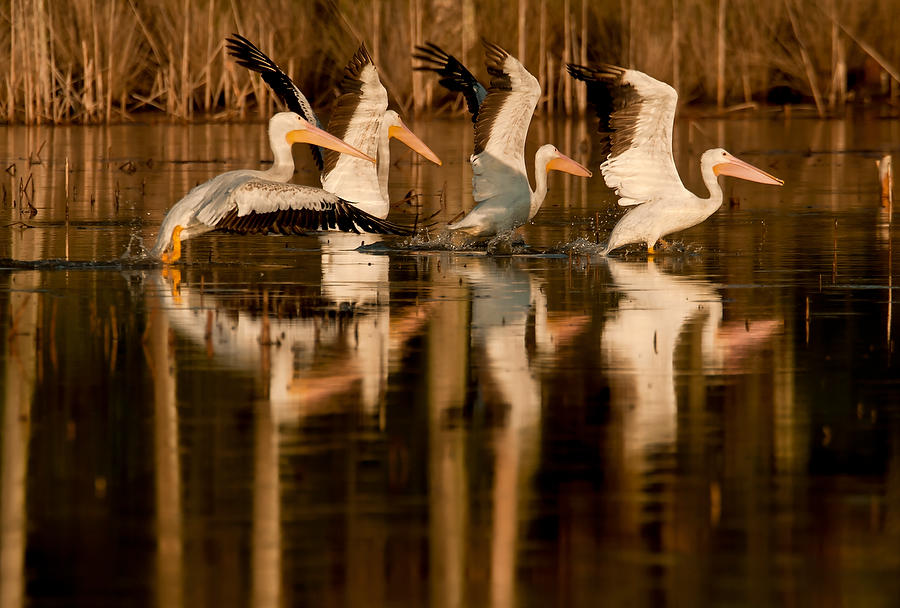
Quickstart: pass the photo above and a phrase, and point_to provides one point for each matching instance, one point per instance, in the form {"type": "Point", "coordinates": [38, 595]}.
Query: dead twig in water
{"type": "Point", "coordinates": [35, 157]}
{"type": "Point", "coordinates": [25, 198]}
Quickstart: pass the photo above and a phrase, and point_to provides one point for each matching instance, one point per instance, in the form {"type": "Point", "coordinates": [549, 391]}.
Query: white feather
{"type": "Point", "coordinates": [646, 168]}
{"type": "Point", "coordinates": [355, 179]}
{"type": "Point", "coordinates": [263, 196]}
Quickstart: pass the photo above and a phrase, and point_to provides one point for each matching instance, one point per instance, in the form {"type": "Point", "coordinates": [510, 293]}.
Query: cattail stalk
{"type": "Point", "coordinates": [720, 54]}
{"type": "Point", "coordinates": [582, 57]}
{"type": "Point", "coordinates": [676, 37]}
{"type": "Point", "coordinates": [567, 57]}
{"type": "Point", "coordinates": [807, 62]}
{"type": "Point", "coordinates": [523, 8]}
{"type": "Point", "coordinates": [542, 50]}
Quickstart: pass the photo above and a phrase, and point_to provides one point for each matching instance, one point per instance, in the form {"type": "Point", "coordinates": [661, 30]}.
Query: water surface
{"type": "Point", "coordinates": [294, 421]}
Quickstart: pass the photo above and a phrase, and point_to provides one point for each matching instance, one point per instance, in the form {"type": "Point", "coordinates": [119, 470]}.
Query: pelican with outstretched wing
{"type": "Point", "coordinates": [499, 177]}
{"type": "Point", "coordinates": [361, 118]}
{"type": "Point", "coordinates": [637, 113]}
{"type": "Point", "coordinates": [250, 201]}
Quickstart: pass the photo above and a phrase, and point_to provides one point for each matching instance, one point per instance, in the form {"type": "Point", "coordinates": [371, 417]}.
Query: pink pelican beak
{"type": "Point", "coordinates": [563, 163]}
{"type": "Point", "coordinates": [735, 167]}
{"type": "Point", "coordinates": [402, 133]}
{"type": "Point", "coordinates": [310, 134]}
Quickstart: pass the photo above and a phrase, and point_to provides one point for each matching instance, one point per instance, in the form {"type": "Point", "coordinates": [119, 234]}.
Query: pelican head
{"type": "Point", "coordinates": [557, 161]}
{"type": "Point", "coordinates": [723, 163]}
{"type": "Point", "coordinates": [398, 129]}
{"type": "Point", "coordinates": [290, 127]}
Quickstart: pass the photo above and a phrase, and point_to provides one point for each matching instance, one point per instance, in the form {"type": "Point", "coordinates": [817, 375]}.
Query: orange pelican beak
{"type": "Point", "coordinates": [735, 167]}
{"type": "Point", "coordinates": [567, 165]}
{"type": "Point", "coordinates": [402, 133]}
{"type": "Point", "coordinates": [310, 134]}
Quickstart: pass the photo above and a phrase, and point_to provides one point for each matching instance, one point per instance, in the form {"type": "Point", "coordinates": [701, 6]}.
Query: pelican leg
{"type": "Point", "coordinates": [651, 249]}
{"type": "Point", "coordinates": [175, 255]}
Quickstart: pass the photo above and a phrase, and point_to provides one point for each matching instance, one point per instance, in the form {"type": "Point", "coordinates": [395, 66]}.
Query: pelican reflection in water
{"type": "Point", "coordinates": [640, 338]}
{"type": "Point", "coordinates": [306, 348]}
{"type": "Point", "coordinates": [511, 340]}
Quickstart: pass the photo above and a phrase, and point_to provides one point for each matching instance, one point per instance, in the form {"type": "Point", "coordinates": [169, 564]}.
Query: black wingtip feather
{"type": "Point", "coordinates": [341, 216]}
{"type": "Point", "coordinates": [454, 75]}
{"type": "Point", "coordinates": [616, 103]}
{"type": "Point", "coordinates": [248, 55]}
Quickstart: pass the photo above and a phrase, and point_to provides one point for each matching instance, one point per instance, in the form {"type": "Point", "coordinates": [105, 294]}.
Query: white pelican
{"type": "Point", "coordinates": [250, 201]}
{"type": "Point", "coordinates": [637, 113]}
{"type": "Point", "coordinates": [361, 118]}
{"type": "Point", "coordinates": [499, 178]}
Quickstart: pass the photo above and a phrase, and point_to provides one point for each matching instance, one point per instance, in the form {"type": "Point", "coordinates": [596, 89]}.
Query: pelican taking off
{"type": "Point", "coordinates": [499, 178]}
{"type": "Point", "coordinates": [361, 118]}
{"type": "Point", "coordinates": [249, 201]}
{"type": "Point", "coordinates": [637, 113]}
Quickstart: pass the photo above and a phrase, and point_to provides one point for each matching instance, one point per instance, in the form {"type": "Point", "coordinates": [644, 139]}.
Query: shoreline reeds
{"type": "Point", "coordinates": [94, 61]}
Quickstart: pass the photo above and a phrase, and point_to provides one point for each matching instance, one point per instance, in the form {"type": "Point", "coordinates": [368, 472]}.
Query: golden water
{"type": "Point", "coordinates": [291, 421]}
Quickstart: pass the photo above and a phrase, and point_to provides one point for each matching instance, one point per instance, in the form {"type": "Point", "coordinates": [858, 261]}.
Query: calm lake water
{"type": "Point", "coordinates": [292, 421]}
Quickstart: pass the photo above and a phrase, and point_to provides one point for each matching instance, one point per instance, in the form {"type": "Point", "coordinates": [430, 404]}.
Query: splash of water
{"type": "Point", "coordinates": [578, 247]}
{"type": "Point", "coordinates": [140, 254]}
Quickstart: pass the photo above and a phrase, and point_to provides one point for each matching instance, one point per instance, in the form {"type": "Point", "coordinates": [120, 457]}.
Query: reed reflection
{"type": "Point", "coordinates": [160, 356]}
{"type": "Point", "coordinates": [20, 372]}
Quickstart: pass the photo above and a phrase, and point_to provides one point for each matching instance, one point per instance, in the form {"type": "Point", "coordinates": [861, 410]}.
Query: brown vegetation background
{"type": "Point", "coordinates": [103, 61]}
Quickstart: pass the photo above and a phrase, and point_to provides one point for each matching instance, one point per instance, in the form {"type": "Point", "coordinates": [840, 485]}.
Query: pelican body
{"type": "Point", "coordinates": [361, 118]}
{"type": "Point", "coordinates": [252, 201]}
{"type": "Point", "coordinates": [500, 185]}
{"type": "Point", "coordinates": [637, 114]}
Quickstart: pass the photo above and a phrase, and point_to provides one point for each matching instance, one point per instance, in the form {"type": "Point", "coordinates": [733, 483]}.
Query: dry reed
{"type": "Point", "coordinates": [103, 60]}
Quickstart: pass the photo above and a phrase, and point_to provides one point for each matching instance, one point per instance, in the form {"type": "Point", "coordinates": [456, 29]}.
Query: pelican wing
{"type": "Point", "coordinates": [248, 55]}
{"type": "Point", "coordinates": [502, 125]}
{"type": "Point", "coordinates": [262, 206]}
{"type": "Point", "coordinates": [357, 117]}
{"type": "Point", "coordinates": [454, 75]}
{"type": "Point", "coordinates": [636, 115]}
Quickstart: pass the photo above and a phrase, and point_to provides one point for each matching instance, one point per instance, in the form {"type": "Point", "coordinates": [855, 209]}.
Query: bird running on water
{"type": "Point", "coordinates": [637, 114]}
{"type": "Point", "coordinates": [249, 201]}
{"type": "Point", "coordinates": [502, 116]}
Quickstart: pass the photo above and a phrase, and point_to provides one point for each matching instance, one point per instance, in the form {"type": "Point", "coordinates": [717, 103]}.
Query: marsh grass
{"type": "Point", "coordinates": [104, 60]}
